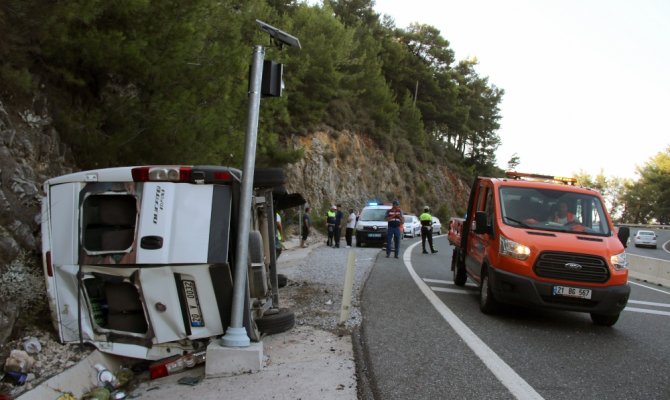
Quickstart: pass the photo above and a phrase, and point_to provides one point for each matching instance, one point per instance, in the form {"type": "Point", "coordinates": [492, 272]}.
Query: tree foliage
{"type": "Point", "coordinates": [167, 82]}
{"type": "Point", "coordinates": [648, 199]}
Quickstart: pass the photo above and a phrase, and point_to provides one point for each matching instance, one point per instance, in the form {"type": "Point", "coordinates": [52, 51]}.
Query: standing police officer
{"type": "Point", "coordinates": [427, 230]}
{"type": "Point", "coordinates": [330, 224]}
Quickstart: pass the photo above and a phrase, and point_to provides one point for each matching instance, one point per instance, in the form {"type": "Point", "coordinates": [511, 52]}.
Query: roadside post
{"type": "Point", "coordinates": [348, 287]}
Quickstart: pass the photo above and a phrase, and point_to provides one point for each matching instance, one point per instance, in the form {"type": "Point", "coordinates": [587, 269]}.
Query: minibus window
{"type": "Point", "coordinates": [108, 224]}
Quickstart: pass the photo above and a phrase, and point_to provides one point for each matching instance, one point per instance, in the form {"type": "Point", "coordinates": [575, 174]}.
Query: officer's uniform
{"type": "Point", "coordinates": [330, 223]}
{"type": "Point", "coordinates": [427, 230]}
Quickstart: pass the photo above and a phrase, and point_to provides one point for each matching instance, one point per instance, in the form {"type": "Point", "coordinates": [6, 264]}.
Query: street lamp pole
{"type": "Point", "coordinates": [236, 334]}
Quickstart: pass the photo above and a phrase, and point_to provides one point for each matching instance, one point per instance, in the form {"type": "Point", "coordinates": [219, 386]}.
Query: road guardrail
{"type": "Point", "coordinates": [649, 269]}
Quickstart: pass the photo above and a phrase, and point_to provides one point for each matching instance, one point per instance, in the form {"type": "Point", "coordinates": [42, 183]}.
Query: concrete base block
{"type": "Point", "coordinates": [229, 361]}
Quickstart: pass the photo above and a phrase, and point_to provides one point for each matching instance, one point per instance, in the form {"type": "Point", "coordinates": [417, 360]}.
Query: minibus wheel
{"type": "Point", "coordinates": [269, 177]}
{"type": "Point", "coordinates": [282, 280]}
{"type": "Point", "coordinates": [278, 322]}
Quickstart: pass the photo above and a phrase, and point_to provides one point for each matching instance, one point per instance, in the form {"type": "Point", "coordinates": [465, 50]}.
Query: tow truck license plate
{"type": "Point", "coordinates": [572, 292]}
{"type": "Point", "coordinates": [194, 313]}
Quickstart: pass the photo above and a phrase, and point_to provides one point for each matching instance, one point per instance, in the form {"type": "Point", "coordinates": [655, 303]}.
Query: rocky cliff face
{"type": "Point", "coordinates": [342, 167]}
{"type": "Point", "coordinates": [30, 152]}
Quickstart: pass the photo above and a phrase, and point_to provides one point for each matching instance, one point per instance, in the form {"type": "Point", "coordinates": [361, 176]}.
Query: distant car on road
{"type": "Point", "coordinates": [645, 239]}
{"type": "Point", "coordinates": [412, 226]}
{"type": "Point", "coordinates": [437, 226]}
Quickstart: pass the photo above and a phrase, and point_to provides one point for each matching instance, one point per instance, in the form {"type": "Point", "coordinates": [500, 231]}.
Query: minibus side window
{"type": "Point", "coordinates": [108, 224]}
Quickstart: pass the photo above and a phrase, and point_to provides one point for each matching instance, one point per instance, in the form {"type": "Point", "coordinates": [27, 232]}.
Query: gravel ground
{"type": "Point", "coordinates": [316, 283]}
{"type": "Point", "coordinates": [314, 291]}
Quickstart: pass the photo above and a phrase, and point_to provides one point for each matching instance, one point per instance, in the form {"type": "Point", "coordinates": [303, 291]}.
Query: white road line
{"type": "Point", "coordinates": [447, 282]}
{"type": "Point", "coordinates": [447, 290]}
{"type": "Point", "coordinates": [438, 281]}
{"type": "Point", "coordinates": [647, 257]}
{"type": "Point", "coordinates": [644, 310]}
{"type": "Point", "coordinates": [505, 374]}
{"type": "Point", "coordinates": [649, 303]}
{"type": "Point", "coordinates": [650, 288]}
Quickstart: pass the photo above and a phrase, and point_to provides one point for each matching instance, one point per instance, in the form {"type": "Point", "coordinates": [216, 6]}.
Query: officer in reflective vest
{"type": "Point", "coordinates": [330, 224]}
{"type": "Point", "coordinates": [427, 230]}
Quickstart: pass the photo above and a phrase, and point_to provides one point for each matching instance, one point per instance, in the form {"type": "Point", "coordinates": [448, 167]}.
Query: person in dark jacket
{"type": "Point", "coordinates": [395, 218]}
{"type": "Point", "coordinates": [306, 225]}
{"type": "Point", "coordinates": [339, 215]}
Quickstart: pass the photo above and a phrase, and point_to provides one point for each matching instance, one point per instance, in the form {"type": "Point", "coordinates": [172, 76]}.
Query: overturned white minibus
{"type": "Point", "coordinates": [139, 261]}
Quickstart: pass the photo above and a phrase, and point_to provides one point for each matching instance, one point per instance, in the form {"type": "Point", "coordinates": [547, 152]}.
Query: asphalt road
{"type": "Point", "coordinates": [425, 338]}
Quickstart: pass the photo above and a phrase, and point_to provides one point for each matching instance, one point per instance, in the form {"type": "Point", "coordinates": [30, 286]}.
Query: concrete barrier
{"type": "Point", "coordinates": [649, 269]}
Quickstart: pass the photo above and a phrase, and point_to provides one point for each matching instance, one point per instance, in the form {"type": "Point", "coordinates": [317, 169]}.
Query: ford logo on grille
{"type": "Point", "coordinates": [573, 266]}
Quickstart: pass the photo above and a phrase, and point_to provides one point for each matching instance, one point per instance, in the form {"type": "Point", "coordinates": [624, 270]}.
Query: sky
{"type": "Point", "coordinates": [586, 81]}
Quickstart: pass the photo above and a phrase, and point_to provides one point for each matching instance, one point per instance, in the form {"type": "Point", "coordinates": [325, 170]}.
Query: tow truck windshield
{"type": "Point", "coordinates": [553, 210]}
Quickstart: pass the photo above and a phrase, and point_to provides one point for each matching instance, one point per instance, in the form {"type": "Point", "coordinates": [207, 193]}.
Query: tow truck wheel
{"type": "Point", "coordinates": [604, 320]}
{"type": "Point", "coordinates": [459, 273]}
{"type": "Point", "coordinates": [281, 321]}
{"type": "Point", "coordinates": [487, 303]}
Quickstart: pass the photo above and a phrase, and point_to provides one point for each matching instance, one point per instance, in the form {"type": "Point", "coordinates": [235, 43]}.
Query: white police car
{"type": "Point", "coordinates": [371, 226]}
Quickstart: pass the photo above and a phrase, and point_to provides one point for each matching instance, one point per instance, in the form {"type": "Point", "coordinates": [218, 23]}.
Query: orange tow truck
{"type": "Point", "coordinates": [540, 241]}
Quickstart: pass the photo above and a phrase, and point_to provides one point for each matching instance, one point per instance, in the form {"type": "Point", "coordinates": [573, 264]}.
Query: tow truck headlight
{"type": "Point", "coordinates": [619, 261]}
{"type": "Point", "coordinates": [513, 249]}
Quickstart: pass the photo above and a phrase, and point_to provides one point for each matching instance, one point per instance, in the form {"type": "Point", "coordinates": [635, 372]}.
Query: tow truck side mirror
{"type": "Point", "coordinates": [624, 234]}
{"type": "Point", "coordinates": [481, 225]}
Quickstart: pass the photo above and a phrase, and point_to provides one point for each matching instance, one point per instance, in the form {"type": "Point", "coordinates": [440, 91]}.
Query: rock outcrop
{"type": "Point", "coordinates": [342, 167]}
{"type": "Point", "coordinates": [30, 152]}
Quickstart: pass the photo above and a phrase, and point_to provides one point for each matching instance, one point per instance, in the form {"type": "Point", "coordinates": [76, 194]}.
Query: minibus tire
{"type": "Point", "coordinates": [282, 280]}
{"type": "Point", "coordinates": [604, 320]}
{"type": "Point", "coordinates": [255, 247]}
{"type": "Point", "coordinates": [269, 177]}
{"type": "Point", "coordinates": [279, 322]}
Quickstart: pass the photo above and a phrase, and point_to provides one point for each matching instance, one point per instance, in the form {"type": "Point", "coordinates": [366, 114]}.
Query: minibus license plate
{"type": "Point", "coordinates": [194, 313]}
{"type": "Point", "coordinates": [377, 235]}
{"type": "Point", "coordinates": [572, 292]}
